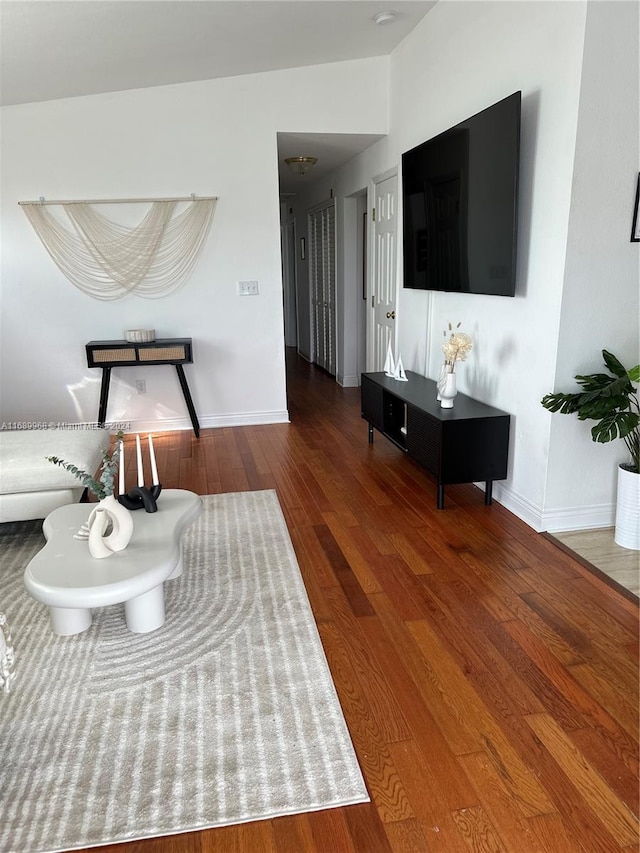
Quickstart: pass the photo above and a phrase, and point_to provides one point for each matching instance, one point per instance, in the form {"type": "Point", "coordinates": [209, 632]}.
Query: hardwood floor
{"type": "Point", "coordinates": [489, 680]}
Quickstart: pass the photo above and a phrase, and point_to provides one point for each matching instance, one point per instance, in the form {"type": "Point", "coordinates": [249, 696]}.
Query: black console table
{"type": "Point", "coordinates": [465, 444]}
{"type": "Point", "coordinates": [109, 354]}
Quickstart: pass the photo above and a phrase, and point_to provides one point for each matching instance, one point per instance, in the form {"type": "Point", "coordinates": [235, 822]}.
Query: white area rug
{"type": "Point", "coordinates": [225, 714]}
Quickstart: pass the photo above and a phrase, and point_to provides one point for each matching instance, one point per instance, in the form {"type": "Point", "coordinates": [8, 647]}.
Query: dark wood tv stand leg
{"type": "Point", "coordinates": [370, 433]}
{"type": "Point", "coordinates": [487, 494]}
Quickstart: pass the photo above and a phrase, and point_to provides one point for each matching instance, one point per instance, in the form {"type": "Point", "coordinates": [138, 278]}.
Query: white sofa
{"type": "Point", "coordinates": [30, 486]}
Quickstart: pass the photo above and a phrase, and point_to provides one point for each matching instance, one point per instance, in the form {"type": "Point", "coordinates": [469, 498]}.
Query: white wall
{"type": "Point", "coordinates": [577, 180]}
{"type": "Point", "coordinates": [465, 57]}
{"type": "Point", "coordinates": [579, 161]}
{"type": "Point", "coordinates": [462, 58]}
{"type": "Point", "coordinates": [214, 137]}
{"type": "Point", "coordinates": [600, 294]}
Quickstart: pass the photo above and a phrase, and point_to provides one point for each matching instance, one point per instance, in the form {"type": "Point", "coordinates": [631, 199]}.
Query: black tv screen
{"type": "Point", "coordinates": [460, 205]}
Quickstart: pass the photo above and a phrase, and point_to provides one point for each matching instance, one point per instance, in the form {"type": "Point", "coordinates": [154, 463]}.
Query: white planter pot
{"type": "Point", "coordinates": [628, 510]}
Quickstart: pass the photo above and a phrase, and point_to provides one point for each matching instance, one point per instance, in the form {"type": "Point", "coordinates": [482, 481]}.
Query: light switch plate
{"type": "Point", "coordinates": [248, 288]}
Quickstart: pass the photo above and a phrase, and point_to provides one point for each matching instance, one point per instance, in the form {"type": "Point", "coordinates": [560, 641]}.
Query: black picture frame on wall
{"type": "Point", "coordinates": [635, 227]}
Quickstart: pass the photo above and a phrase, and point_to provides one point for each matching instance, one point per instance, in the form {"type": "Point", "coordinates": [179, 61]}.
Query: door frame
{"type": "Point", "coordinates": [288, 234]}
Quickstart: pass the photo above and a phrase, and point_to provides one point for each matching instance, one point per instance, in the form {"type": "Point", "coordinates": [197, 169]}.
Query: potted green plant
{"type": "Point", "coordinates": [611, 400]}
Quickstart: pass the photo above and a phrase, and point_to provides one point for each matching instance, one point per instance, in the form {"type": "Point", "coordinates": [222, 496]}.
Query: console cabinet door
{"type": "Point", "coordinates": [475, 450]}
{"type": "Point", "coordinates": [424, 439]}
{"type": "Point", "coordinates": [371, 396]}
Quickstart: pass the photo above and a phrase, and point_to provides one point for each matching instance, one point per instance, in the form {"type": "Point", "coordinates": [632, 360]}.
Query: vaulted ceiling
{"type": "Point", "coordinates": [52, 49]}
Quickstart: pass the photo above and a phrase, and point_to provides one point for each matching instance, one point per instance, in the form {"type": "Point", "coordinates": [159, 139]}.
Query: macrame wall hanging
{"type": "Point", "coordinates": [107, 261]}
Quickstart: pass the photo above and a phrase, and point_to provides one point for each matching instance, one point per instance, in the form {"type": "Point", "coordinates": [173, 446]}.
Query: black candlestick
{"type": "Point", "coordinates": [141, 496]}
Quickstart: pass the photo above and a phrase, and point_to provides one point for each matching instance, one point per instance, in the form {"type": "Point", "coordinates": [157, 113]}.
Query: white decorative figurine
{"type": "Point", "coordinates": [389, 367]}
{"type": "Point", "coordinates": [399, 373]}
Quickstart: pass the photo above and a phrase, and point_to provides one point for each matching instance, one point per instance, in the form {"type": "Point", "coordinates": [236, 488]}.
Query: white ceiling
{"type": "Point", "coordinates": [53, 49]}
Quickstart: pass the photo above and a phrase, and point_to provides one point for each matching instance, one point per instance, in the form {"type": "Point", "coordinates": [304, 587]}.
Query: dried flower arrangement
{"type": "Point", "coordinates": [456, 348]}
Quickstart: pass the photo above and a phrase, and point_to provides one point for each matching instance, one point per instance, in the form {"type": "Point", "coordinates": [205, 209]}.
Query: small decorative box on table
{"type": "Point", "coordinates": [465, 444]}
{"type": "Point", "coordinates": [110, 354]}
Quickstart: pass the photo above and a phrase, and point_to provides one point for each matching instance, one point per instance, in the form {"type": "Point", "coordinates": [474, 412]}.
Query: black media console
{"type": "Point", "coordinates": [465, 444]}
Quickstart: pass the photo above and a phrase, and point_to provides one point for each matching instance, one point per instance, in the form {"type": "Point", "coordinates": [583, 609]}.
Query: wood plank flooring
{"type": "Point", "coordinates": [489, 680]}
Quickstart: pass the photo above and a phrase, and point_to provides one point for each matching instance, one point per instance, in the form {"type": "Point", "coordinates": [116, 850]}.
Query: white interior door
{"type": "Point", "coordinates": [322, 274]}
{"type": "Point", "coordinates": [383, 272]}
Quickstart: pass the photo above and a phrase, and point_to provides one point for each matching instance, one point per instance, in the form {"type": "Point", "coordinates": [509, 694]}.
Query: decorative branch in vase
{"type": "Point", "coordinates": [108, 514]}
{"type": "Point", "coordinates": [105, 484]}
{"type": "Point", "coordinates": [455, 348]}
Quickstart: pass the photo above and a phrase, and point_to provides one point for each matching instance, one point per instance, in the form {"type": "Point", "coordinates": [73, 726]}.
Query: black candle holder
{"type": "Point", "coordinates": [140, 496]}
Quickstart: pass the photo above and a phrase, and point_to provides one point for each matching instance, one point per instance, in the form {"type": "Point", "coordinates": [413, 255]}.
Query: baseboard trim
{"type": "Point", "coordinates": [210, 421]}
{"type": "Point", "coordinates": [246, 419]}
{"type": "Point", "coordinates": [348, 381]}
{"type": "Point", "coordinates": [525, 509]}
{"type": "Point", "coordinates": [573, 518]}
{"type": "Point", "coordinates": [579, 518]}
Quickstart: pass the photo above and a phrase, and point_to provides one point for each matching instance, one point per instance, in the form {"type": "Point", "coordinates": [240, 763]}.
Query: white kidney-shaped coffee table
{"type": "Point", "coordinates": [65, 577]}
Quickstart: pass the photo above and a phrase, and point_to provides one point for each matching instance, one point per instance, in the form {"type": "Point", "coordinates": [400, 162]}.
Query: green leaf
{"type": "Point", "coordinates": [567, 404]}
{"type": "Point", "coordinates": [634, 373]}
{"type": "Point", "coordinates": [615, 425]}
{"type": "Point", "coordinates": [594, 381]}
{"type": "Point", "coordinates": [613, 364]}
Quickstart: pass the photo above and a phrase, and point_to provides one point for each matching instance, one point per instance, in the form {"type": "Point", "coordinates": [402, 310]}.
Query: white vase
{"type": "Point", "coordinates": [448, 390]}
{"type": "Point", "coordinates": [627, 532]}
{"type": "Point", "coordinates": [440, 381]}
{"type": "Point", "coordinates": [97, 528]}
{"type": "Point", "coordinates": [122, 527]}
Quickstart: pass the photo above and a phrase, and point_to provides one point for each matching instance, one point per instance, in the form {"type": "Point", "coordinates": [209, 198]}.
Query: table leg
{"type": "Point", "coordinates": [187, 398]}
{"type": "Point", "coordinates": [488, 489]}
{"type": "Point", "coordinates": [179, 567]}
{"type": "Point", "coordinates": [145, 612]}
{"type": "Point", "coordinates": [440, 496]}
{"type": "Point", "coordinates": [104, 395]}
{"type": "Point", "coordinates": [69, 620]}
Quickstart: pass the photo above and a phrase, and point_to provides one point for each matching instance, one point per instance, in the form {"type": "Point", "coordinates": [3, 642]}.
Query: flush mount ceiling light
{"type": "Point", "coordinates": [301, 165]}
{"type": "Point", "coordinates": [384, 18]}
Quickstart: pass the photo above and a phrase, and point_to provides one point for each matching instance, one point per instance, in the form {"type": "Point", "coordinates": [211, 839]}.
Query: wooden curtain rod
{"type": "Point", "coordinates": [192, 197]}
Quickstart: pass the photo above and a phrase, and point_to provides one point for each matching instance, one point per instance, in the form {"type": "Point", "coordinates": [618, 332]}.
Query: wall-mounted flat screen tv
{"type": "Point", "coordinates": [460, 205]}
